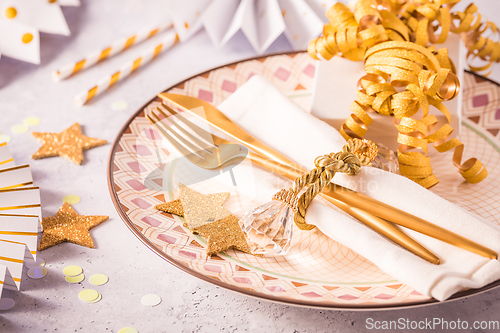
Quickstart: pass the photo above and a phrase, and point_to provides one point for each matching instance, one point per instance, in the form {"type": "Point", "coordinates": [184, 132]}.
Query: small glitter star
{"type": "Point", "coordinates": [68, 226]}
{"type": "Point", "coordinates": [209, 218]}
{"type": "Point", "coordinates": [69, 144]}
{"type": "Point", "coordinates": [200, 209]}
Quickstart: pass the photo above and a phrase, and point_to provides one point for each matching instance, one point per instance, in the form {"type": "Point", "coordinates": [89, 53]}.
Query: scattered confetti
{"type": "Point", "coordinates": [88, 295]}
{"type": "Point", "coordinates": [7, 304]}
{"type": "Point", "coordinates": [75, 279]}
{"type": "Point", "coordinates": [21, 128]}
{"type": "Point", "coordinates": [37, 272]}
{"type": "Point", "coordinates": [4, 138]}
{"type": "Point", "coordinates": [97, 299]}
{"type": "Point", "coordinates": [128, 330]}
{"type": "Point", "coordinates": [150, 300]}
{"type": "Point", "coordinates": [72, 270]}
{"type": "Point", "coordinates": [31, 121]}
{"type": "Point", "coordinates": [119, 105]}
{"type": "Point", "coordinates": [98, 279]}
{"type": "Point", "coordinates": [39, 262]}
{"type": "Point", "coordinates": [71, 199]}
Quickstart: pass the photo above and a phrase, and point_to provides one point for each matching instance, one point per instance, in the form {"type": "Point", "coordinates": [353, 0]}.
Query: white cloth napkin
{"type": "Point", "coordinates": [263, 111]}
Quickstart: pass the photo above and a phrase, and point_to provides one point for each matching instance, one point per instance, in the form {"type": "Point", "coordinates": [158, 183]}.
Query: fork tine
{"type": "Point", "coordinates": [216, 140]}
{"type": "Point", "coordinates": [188, 154]}
{"type": "Point", "coordinates": [201, 132]}
{"type": "Point", "coordinates": [204, 134]}
{"type": "Point", "coordinates": [201, 151]}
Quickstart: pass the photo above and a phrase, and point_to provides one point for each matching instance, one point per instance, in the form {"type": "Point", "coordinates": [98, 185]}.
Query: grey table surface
{"type": "Point", "coordinates": [189, 304]}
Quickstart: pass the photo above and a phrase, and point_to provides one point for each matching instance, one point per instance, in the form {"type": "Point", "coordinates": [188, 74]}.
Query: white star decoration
{"type": "Point", "coordinates": [22, 20]}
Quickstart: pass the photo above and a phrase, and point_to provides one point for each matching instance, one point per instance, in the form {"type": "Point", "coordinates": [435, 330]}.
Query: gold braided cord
{"type": "Point", "coordinates": [355, 154]}
{"type": "Point", "coordinates": [405, 74]}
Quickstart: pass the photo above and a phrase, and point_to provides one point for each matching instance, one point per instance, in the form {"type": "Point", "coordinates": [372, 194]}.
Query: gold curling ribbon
{"type": "Point", "coordinates": [374, 21]}
{"type": "Point", "coordinates": [405, 73]}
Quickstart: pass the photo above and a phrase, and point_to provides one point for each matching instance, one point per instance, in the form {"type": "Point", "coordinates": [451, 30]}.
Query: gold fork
{"type": "Point", "coordinates": [209, 151]}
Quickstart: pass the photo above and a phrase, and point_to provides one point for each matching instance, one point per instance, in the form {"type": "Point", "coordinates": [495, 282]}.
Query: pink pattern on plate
{"type": "Point", "coordinates": [136, 185]}
{"type": "Point", "coordinates": [205, 95]}
{"type": "Point", "coordinates": [384, 296]}
{"type": "Point", "coordinates": [228, 86]}
{"type": "Point", "coordinates": [141, 203]}
{"type": "Point", "coordinates": [242, 280]}
{"type": "Point", "coordinates": [153, 222]}
{"type": "Point", "coordinates": [309, 70]}
{"type": "Point", "coordinates": [275, 289]}
{"type": "Point", "coordinates": [142, 150]}
{"type": "Point", "coordinates": [282, 74]}
{"type": "Point", "coordinates": [167, 239]}
{"type": "Point", "coordinates": [347, 297]}
{"type": "Point", "coordinates": [136, 167]}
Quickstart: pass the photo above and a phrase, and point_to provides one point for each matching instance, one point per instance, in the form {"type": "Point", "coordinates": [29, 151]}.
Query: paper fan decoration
{"type": "Point", "coordinates": [22, 20]}
{"type": "Point", "coordinates": [261, 21]}
{"type": "Point", "coordinates": [20, 216]}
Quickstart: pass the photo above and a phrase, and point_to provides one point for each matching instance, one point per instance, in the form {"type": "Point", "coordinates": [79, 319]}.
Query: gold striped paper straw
{"type": "Point", "coordinates": [170, 40]}
{"type": "Point", "coordinates": [115, 48]}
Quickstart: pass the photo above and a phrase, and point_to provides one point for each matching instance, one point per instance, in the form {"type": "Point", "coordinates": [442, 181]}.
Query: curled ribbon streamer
{"type": "Point", "coordinates": [405, 74]}
{"type": "Point", "coordinates": [426, 84]}
{"type": "Point", "coordinates": [419, 21]}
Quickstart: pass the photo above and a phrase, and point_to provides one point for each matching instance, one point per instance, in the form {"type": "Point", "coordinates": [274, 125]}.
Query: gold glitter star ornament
{"type": "Point", "coordinates": [68, 226]}
{"type": "Point", "coordinates": [205, 215]}
{"type": "Point", "coordinates": [69, 144]}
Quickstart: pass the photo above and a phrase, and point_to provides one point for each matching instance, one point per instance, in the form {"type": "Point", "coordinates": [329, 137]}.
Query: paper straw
{"type": "Point", "coordinates": [170, 40]}
{"type": "Point", "coordinates": [115, 48]}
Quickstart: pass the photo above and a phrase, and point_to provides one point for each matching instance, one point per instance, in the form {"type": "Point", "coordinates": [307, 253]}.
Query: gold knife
{"type": "Point", "coordinates": [217, 119]}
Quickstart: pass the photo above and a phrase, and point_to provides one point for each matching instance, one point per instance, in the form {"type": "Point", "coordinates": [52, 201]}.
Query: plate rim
{"type": "Point", "coordinates": [261, 296]}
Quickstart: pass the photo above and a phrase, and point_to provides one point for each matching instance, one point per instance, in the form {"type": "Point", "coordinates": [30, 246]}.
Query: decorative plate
{"type": "Point", "coordinates": [339, 278]}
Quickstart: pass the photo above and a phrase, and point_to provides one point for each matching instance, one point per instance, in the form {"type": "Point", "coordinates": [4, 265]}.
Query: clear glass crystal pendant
{"type": "Point", "coordinates": [269, 228]}
{"type": "Point", "coordinates": [386, 159]}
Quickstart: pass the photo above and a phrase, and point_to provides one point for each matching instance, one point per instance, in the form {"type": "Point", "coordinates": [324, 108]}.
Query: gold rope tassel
{"type": "Point", "coordinates": [355, 154]}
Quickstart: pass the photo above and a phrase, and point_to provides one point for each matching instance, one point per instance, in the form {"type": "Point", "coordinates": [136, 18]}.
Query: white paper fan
{"type": "Point", "coordinates": [261, 21]}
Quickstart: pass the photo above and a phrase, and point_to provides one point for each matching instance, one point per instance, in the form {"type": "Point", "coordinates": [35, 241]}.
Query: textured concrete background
{"type": "Point", "coordinates": [189, 304]}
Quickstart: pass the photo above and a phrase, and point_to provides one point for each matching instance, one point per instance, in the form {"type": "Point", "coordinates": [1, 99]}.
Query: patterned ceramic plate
{"type": "Point", "coordinates": [338, 277]}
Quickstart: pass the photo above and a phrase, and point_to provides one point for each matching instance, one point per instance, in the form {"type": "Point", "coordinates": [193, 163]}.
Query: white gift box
{"type": "Point", "coordinates": [335, 87]}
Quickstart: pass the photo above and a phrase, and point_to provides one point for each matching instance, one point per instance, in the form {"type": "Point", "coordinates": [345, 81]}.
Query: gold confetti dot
{"type": "Point", "coordinates": [4, 138]}
{"type": "Point", "coordinates": [21, 128]}
{"type": "Point", "coordinates": [119, 105]}
{"type": "Point", "coordinates": [128, 330]}
{"type": "Point", "coordinates": [31, 121]}
{"type": "Point", "coordinates": [75, 279]}
{"type": "Point", "coordinates": [10, 12]}
{"type": "Point", "coordinates": [71, 199]}
{"type": "Point", "coordinates": [37, 272]}
{"type": "Point", "coordinates": [72, 270]}
{"type": "Point", "coordinates": [52, 1]}
{"type": "Point", "coordinates": [27, 38]}
{"type": "Point", "coordinates": [6, 304]}
{"type": "Point", "coordinates": [88, 295]}
{"type": "Point", "coordinates": [98, 279]}
{"type": "Point", "coordinates": [150, 300]}
{"type": "Point", "coordinates": [97, 299]}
